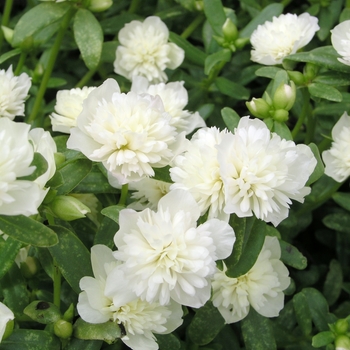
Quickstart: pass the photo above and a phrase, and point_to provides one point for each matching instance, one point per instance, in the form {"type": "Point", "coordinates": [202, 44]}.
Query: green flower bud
{"type": "Point", "coordinates": [259, 108]}
{"type": "Point", "coordinates": [341, 326]}
{"type": "Point", "coordinates": [229, 30]}
{"type": "Point", "coordinates": [8, 330]}
{"type": "Point", "coordinates": [69, 314]}
{"type": "Point", "coordinates": [100, 5]}
{"type": "Point", "coordinates": [284, 96]}
{"type": "Point", "coordinates": [30, 267]}
{"type": "Point", "coordinates": [63, 329]}
{"type": "Point", "coordinates": [297, 77]}
{"type": "Point", "coordinates": [199, 5]}
{"type": "Point", "coordinates": [281, 115]}
{"type": "Point", "coordinates": [342, 342]}
{"type": "Point", "coordinates": [310, 71]}
{"type": "Point", "coordinates": [241, 42]}
{"type": "Point", "coordinates": [27, 44]}
{"type": "Point", "coordinates": [8, 34]}
{"type": "Point", "coordinates": [68, 208]}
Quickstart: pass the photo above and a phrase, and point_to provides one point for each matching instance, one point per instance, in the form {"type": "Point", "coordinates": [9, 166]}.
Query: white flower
{"type": "Point", "coordinates": [129, 133]}
{"type": "Point", "coordinates": [175, 98]}
{"type": "Point", "coordinates": [6, 315]}
{"type": "Point", "coordinates": [107, 297]}
{"type": "Point", "coordinates": [261, 287]}
{"type": "Point", "coordinates": [337, 158]}
{"type": "Point", "coordinates": [17, 196]}
{"type": "Point", "coordinates": [69, 104]}
{"type": "Point", "coordinates": [166, 256]}
{"type": "Point", "coordinates": [285, 35]}
{"type": "Point", "coordinates": [197, 170]}
{"type": "Point", "coordinates": [44, 144]}
{"type": "Point", "coordinates": [13, 92]}
{"type": "Point", "coordinates": [144, 50]}
{"type": "Point", "coordinates": [341, 41]}
{"type": "Point", "coordinates": [147, 193]}
{"type": "Point", "coordinates": [262, 172]}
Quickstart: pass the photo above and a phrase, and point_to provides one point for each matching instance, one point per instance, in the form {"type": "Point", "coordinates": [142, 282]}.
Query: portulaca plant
{"type": "Point", "coordinates": [174, 175]}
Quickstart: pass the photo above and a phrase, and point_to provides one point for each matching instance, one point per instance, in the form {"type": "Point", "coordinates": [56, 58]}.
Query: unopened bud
{"type": "Point", "coordinates": [342, 342]}
{"type": "Point", "coordinates": [69, 314]}
{"type": "Point", "coordinates": [259, 108]}
{"type": "Point", "coordinates": [229, 30]}
{"type": "Point", "coordinates": [284, 96]}
{"type": "Point", "coordinates": [68, 208]}
{"type": "Point", "coordinates": [341, 326]}
{"type": "Point", "coordinates": [199, 5]}
{"type": "Point", "coordinates": [100, 5]}
{"type": "Point", "coordinates": [241, 42]}
{"type": "Point", "coordinates": [27, 44]}
{"type": "Point", "coordinates": [310, 71]}
{"type": "Point", "coordinates": [8, 34]}
{"type": "Point", "coordinates": [30, 267]}
{"type": "Point", "coordinates": [63, 329]}
{"type": "Point", "coordinates": [297, 77]}
{"type": "Point", "coordinates": [281, 115]}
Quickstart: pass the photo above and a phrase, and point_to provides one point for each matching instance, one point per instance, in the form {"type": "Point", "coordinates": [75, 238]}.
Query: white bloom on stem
{"type": "Point", "coordinates": [261, 287]}
{"type": "Point", "coordinates": [69, 104]}
{"type": "Point", "coordinates": [129, 133]}
{"type": "Point", "coordinates": [6, 315]}
{"type": "Point", "coordinates": [337, 158]}
{"type": "Point", "coordinates": [166, 256]}
{"type": "Point", "coordinates": [106, 297]}
{"type": "Point", "coordinates": [17, 196]}
{"type": "Point", "coordinates": [341, 41]}
{"type": "Point", "coordinates": [13, 92]}
{"type": "Point", "coordinates": [197, 170]}
{"type": "Point", "coordinates": [147, 193]}
{"type": "Point", "coordinates": [144, 50]}
{"type": "Point", "coordinates": [285, 35]}
{"type": "Point", "coordinates": [262, 172]}
{"type": "Point", "coordinates": [175, 98]}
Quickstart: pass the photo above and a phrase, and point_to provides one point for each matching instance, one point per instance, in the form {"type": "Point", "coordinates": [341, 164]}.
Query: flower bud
{"type": "Point", "coordinates": [241, 42]}
{"type": "Point", "coordinates": [281, 115]}
{"type": "Point", "coordinates": [284, 96]}
{"type": "Point", "coordinates": [259, 108]}
{"type": "Point", "coordinates": [297, 77]}
{"type": "Point", "coordinates": [29, 267]}
{"type": "Point", "coordinates": [310, 71]}
{"type": "Point", "coordinates": [63, 329]}
{"type": "Point", "coordinates": [100, 5]}
{"type": "Point", "coordinates": [341, 326]}
{"type": "Point", "coordinates": [8, 34]}
{"type": "Point", "coordinates": [68, 208]}
{"type": "Point", "coordinates": [199, 5]}
{"type": "Point", "coordinates": [69, 314]}
{"type": "Point", "coordinates": [342, 342]}
{"type": "Point", "coordinates": [229, 30]}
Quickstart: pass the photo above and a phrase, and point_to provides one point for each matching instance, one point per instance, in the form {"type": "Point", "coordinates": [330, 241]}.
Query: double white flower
{"type": "Point", "coordinates": [341, 42]}
{"type": "Point", "coordinates": [144, 50]}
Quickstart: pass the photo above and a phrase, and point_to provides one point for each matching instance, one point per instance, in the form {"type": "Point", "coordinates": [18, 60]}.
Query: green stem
{"type": "Point", "coordinates": [134, 6]}
{"type": "Point", "coordinates": [5, 19]}
{"type": "Point", "coordinates": [213, 75]}
{"type": "Point", "coordinates": [50, 65]}
{"type": "Point", "coordinates": [86, 78]}
{"type": "Point", "coordinates": [300, 122]}
{"type": "Point", "coordinates": [310, 128]}
{"type": "Point", "coordinates": [193, 25]}
{"type": "Point", "coordinates": [123, 194]}
{"type": "Point", "coordinates": [22, 59]}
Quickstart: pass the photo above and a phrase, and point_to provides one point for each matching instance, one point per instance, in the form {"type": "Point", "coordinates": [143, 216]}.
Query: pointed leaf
{"type": "Point", "coordinates": [216, 58]}
{"type": "Point", "coordinates": [291, 256]}
{"type": "Point", "coordinates": [232, 89]}
{"type": "Point", "coordinates": [319, 169]}
{"type": "Point", "coordinates": [113, 212]}
{"type": "Point", "coordinates": [230, 117]}
{"type": "Point", "coordinates": [214, 11]}
{"type": "Point", "coordinates": [334, 282]}
{"type": "Point", "coordinates": [302, 313]}
{"type": "Point", "coordinates": [325, 91]}
{"type": "Point", "coordinates": [41, 166]}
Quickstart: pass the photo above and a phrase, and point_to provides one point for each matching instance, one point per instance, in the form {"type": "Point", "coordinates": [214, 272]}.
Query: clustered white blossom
{"type": "Point", "coordinates": [13, 92]}
{"type": "Point", "coordinates": [285, 35]}
{"type": "Point", "coordinates": [341, 41]}
{"type": "Point", "coordinates": [144, 50]}
{"type": "Point", "coordinates": [337, 158]}
{"type": "Point", "coordinates": [6, 315]}
{"type": "Point", "coordinates": [261, 287]}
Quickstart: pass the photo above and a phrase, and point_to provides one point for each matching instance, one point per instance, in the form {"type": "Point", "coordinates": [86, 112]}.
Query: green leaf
{"type": "Point", "coordinates": [324, 56]}
{"type": "Point", "coordinates": [291, 256]}
{"type": "Point", "coordinates": [31, 339]}
{"type": "Point", "coordinates": [328, 18]}
{"type": "Point", "coordinates": [38, 18]}
{"type": "Point", "coordinates": [268, 72]}
{"type": "Point", "coordinates": [73, 172]}
{"type": "Point", "coordinates": [28, 231]}
{"type": "Point", "coordinates": [323, 339]}
{"type": "Point", "coordinates": [230, 117]}
{"type": "Point", "coordinates": [232, 89]}
{"type": "Point", "coordinates": [206, 324]}
{"type": "Point", "coordinates": [215, 14]}
{"type": "Point", "coordinates": [249, 250]}
{"type": "Point", "coordinates": [338, 222]}
{"type": "Point", "coordinates": [72, 257]}
{"type": "Point", "coordinates": [112, 25]}
{"type": "Point", "coordinates": [4, 57]}
{"type": "Point", "coordinates": [88, 35]}
{"type": "Point", "coordinates": [8, 253]}
{"type": "Point", "coordinates": [333, 78]}
{"type": "Point", "coordinates": [302, 313]}
{"type": "Point", "coordinates": [41, 166]}
{"type": "Point", "coordinates": [192, 53]}
{"type": "Point", "coordinates": [106, 232]}
{"type": "Point", "coordinates": [56, 82]}
{"type": "Point", "coordinates": [168, 342]}
{"type": "Point", "coordinates": [325, 91]}
{"type": "Point", "coordinates": [257, 332]}
{"type": "Point", "coordinates": [319, 169]}
{"type": "Point", "coordinates": [216, 58]}
{"type": "Point", "coordinates": [112, 212]}
{"type": "Point", "coordinates": [108, 53]}
{"type": "Point", "coordinates": [163, 174]}
{"type": "Point", "coordinates": [281, 129]}
{"type": "Point", "coordinates": [43, 312]}
{"type": "Point", "coordinates": [108, 331]}
{"type": "Point", "coordinates": [342, 199]}
{"type": "Point", "coordinates": [334, 282]}
{"type": "Point", "coordinates": [265, 15]}
{"type": "Point", "coordinates": [78, 344]}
